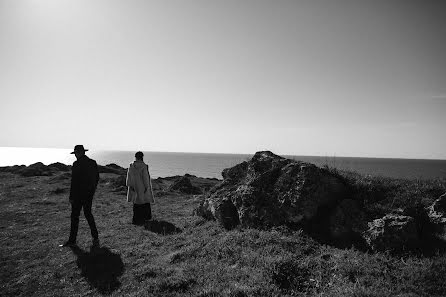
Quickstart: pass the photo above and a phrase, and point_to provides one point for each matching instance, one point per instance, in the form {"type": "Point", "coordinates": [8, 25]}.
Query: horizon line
{"type": "Point", "coordinates": [220, 153]}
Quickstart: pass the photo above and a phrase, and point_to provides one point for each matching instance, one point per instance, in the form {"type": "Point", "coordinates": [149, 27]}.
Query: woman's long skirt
{"type": "Point", "coordinates": [141, 213]}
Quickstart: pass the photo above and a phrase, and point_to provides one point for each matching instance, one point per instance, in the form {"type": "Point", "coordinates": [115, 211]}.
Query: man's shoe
{"type": "Point", "coordinates": [95, 242]}
{"type": "Point", "coordinates": [69, 243]}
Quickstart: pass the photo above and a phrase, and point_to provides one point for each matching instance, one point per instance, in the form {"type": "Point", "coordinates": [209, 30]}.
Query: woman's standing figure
{"type": "Point", "coordinates": [139, 190]}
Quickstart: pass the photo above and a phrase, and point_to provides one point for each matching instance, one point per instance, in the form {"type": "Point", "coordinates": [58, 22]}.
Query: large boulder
{"type": "Point", "coordinates": [270, 190]}
{"type": "Point", "coordinates": [392, 232]}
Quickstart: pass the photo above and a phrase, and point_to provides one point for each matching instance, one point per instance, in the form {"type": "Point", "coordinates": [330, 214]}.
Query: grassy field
{"type": "Point", "coordinates": [180, 254]}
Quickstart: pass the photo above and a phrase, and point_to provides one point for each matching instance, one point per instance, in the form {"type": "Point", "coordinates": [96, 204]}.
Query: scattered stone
{"type": "Point", "coordinates": [437, 215]}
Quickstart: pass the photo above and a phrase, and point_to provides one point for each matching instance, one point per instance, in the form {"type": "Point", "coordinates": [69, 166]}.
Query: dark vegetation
{"type": "Point", "coordinates": [381, 195]}
{"type": "Point", "coordinates": [180, 254]}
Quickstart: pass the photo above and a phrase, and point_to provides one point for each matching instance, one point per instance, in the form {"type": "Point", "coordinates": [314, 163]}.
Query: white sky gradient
{"type": "Point", "coordinates": [345, 78]}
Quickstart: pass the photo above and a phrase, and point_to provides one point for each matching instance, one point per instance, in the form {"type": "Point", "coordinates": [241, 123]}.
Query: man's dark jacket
{"type": "Point", "coordinates": [84, 179]}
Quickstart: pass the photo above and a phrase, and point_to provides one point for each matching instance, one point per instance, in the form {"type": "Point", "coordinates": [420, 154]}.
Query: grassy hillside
{"type": "Point", "coordinates": [183, 255]}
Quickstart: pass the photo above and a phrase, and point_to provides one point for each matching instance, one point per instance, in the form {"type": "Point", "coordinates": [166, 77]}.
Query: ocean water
{"type": "Point", "coordinates": [164, 164]}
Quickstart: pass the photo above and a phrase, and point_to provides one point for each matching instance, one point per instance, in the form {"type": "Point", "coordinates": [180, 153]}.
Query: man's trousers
{"type": "Point", "coordinates": [76, 207]}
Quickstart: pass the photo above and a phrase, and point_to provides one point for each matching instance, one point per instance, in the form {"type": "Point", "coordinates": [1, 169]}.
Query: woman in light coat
{"type": "Point", "coordinates": [139, 190]}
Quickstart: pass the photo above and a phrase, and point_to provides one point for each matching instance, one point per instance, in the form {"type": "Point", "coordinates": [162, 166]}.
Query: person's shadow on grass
{"type": "Point", "coordinates": [162, 227]}
{"type": "Point", "coordinates": [100, 267]}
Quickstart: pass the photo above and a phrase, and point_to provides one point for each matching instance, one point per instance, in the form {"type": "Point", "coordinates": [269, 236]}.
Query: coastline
{"type": "Point", "coordinates": [164, 164]}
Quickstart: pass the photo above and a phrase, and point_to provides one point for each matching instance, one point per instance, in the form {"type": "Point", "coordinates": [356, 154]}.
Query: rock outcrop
{"type": "Point", "coordinates": [59, 167]}
{"type": "Point", "coordinates": [112, 168]}
{"type": "Point", "coordinates": [12, 169]}
{"type": "Point", "coordinates": [36, 169]}
{"type": "Point", "coordinates": [40, 169]}
{"type": "Point", "coordinates": [184, 185]}
{"type": "Point", "coordinates": [270, 190]}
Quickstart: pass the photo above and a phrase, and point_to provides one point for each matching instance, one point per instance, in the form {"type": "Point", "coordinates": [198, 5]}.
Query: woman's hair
{"type": "Point", "coordinates": [139, 155]}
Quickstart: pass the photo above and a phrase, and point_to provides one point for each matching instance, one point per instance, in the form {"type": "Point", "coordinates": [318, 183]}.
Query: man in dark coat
{"type": "Point", "coordinates": [84, 180]}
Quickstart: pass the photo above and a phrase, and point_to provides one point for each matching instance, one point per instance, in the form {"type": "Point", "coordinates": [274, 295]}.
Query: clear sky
{"type": "Point", "coordinates": [328, 78]}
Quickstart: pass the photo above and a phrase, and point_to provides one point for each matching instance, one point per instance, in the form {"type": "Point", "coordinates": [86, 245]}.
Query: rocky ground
{"type": "Point", "coordinates": [271, 227]}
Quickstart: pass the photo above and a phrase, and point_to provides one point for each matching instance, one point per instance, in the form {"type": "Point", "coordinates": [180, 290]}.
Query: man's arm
{"type": "Point", "coordinates": [96, 173]}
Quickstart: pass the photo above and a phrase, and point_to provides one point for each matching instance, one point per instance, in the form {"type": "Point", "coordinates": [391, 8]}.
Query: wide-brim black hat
{"type": "Point", "coordinates": [79, 148]}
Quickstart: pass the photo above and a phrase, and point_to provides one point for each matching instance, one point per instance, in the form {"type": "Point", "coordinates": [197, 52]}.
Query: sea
{"type": "Point", "coordinates": [163, 164]}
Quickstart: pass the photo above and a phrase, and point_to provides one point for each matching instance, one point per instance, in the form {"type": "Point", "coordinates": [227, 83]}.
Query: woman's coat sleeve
{"type": "Point", "coordinates": [130, 184]}
{"type": "Point", "coordinates": [148, 185]}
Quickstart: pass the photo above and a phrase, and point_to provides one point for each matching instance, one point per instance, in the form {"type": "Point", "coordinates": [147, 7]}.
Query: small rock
{"type": "Point", "coordinates": [437, 215]}
{"type": "Point", "coordinates": [392, 232]}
